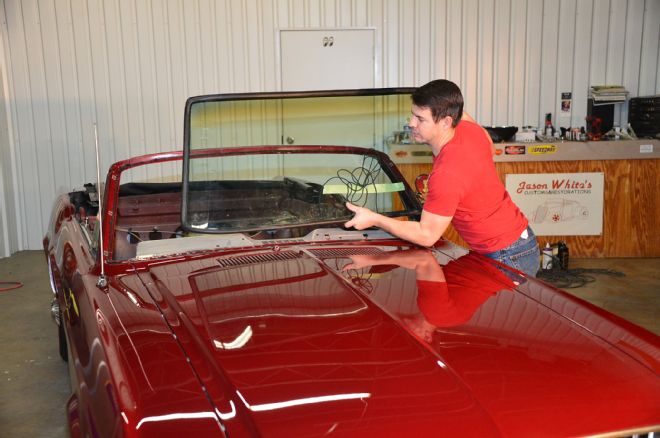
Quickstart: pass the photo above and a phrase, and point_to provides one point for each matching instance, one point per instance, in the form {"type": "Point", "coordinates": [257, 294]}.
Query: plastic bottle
{"type": "Point", "coordinates": [407, 134]}
{"type": "Point", "coordinates": [546, 257]}
{"type": "Point", "coordinates": [549, 129]}
{"type": "Point", "coordinates": [562, 255]}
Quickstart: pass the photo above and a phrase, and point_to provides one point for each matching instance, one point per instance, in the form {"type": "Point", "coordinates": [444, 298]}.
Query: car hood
{"type": "Point", "coordinates": [357, 340]}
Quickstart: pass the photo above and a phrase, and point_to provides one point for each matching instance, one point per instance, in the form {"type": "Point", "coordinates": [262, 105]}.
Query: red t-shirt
{"type": "Point", "coordinates": [464, 184]}
{"type": "Point", "coordinates": [469, 282]}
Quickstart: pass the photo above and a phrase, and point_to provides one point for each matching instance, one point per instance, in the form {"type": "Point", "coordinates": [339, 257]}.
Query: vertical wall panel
{"type": "Point", "coordinates": [438, 14]}
{"type": "Point", "coordinates": [114, 133]}
{"type": "Point", "coordinates": [470, 62]}
{"type": "Point", "coordinates": [454, 52]}
{"type": "Point", "coordinates": [564, 63]}
{"type": "Point", "coordinates": [486, 62]}
{"type": "Point", "coordinates": [616, 37]}
{"type": "Point", "coordinates": [632, 45]}
{"type": "Point", "coordinates": [517, 59]}
{"type": "Point", "coordinates": [649, 69]}
{"type": "Point", "coordinates": [500, 79]}
{"type": "Point", "coordinates": [59, 163]}
{"type": "Point", "coordinates": [71, 147]}
{"type": "Point", "coordinates": [549, 59]}
{"type": "Point", "coordinates": [100, 93]}
{"type": "Point", "coordinates": [22, 119]}
{"type": "Point", "coordinates": [407, 33]}
{"type": "Point", "coordinates": [85, 65]}
{"type": "Point", "coordinates": [390, 61]}
{"type": "Point", "coordinates": [42, 186]}
{"type": "Point", "coordinates": [9, 228]}
{"type": "Point", "coordinates": [130, 66]}
{"type": "Point", "coordinates": [533, 58]}
{"type": "Point", "coordinates": [424, 36]}
{"type": "Point", "coordinates": [599, 39]}
{"type": "Point", "coordinates": [581, 64]}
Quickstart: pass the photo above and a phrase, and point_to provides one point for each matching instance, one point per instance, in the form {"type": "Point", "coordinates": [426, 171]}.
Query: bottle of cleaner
{"type": "Point", "coordinates": [546, 257]}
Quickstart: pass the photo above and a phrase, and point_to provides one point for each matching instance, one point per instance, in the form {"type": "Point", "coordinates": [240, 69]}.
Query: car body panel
{"type": "Point", "coordinates": [314, 337]}
{"type": "Point", "coordinates": [126, 368]}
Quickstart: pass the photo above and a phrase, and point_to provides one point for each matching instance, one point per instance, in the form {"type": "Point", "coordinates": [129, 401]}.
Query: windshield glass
{"type": "Point", "coordinates": [252, 162]}
{"type": "Point", "coordinates": [280, 189]}
{"type": "Point", "coordinates": [302, 119]}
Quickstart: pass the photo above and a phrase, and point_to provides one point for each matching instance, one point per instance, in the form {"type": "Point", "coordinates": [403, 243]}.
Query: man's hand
{"type": "Point", "coordinates": [359, 261]}
{"type": "Point", "coordinates": [364, 218]}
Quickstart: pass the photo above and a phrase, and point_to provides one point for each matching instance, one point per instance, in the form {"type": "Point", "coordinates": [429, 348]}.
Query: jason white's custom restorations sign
{"type": "Point", "coordinates": [560, 204]}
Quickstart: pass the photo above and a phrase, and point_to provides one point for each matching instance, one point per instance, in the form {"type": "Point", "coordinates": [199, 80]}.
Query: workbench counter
{"type": "Point", "coordinates": [547, 151]}
{"type": "Point", "coordinates": [631, 201]}
{"type": "Point", "coordinates": [578, 150]}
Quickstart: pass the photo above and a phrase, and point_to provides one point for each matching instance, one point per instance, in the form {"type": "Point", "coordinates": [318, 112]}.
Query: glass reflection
{"type": "Point", "coordinates": [447, 295]}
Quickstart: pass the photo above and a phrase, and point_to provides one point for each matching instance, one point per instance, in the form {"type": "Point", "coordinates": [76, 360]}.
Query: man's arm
{"type": "Point", "coordinates": [421, 260]}
{"type": "Point", "coordinates": [425, 232]}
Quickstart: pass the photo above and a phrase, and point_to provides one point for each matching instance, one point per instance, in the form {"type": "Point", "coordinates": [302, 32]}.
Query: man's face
{"type": "Point", "coordinates": [424, 128]}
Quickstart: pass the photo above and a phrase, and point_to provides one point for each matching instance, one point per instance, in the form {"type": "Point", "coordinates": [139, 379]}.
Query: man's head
{"type": "Point", "coordinates": [442, 97]}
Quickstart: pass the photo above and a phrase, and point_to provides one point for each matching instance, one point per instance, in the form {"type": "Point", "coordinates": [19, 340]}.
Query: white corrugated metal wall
{"type": "Point", "coordinates": [129, 66]}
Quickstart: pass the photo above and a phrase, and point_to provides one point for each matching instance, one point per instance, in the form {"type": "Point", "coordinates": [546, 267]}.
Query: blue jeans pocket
{"type": "Point", "coordinates": [523, 254]}
{"type": "Point", "coordinates": [527, 261]}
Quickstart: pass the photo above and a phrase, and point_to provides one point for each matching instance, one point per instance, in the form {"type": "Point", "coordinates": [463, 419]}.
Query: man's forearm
{"type": "Point", "coordinates": [411, 231]}
{"type": "Point", "coordinates": [425, 232]}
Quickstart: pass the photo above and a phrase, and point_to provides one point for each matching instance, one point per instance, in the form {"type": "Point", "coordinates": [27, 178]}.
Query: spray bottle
{"type": "Point", "coordinates": [546, 257]}
{"type": "Point", "coordinates": [549, 129]}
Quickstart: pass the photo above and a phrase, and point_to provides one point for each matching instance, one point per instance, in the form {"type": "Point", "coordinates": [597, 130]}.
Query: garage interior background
{"type": "Point", "coordinates": [129, 66]}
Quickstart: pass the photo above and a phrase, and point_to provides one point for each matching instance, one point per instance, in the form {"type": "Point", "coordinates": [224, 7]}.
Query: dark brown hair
{"type": "Point", "coordinates": [442, 97]}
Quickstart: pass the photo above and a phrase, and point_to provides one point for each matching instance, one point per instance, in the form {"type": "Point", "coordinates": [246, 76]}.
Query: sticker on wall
{"type": "Point", "coordinates": [542, 149]}
{"type": "Point", "coordinates": [560, 204]}
{"type": "Point", "coordinates": [514, 150]}
{"type": "Point", "coordinates": [566, 100]}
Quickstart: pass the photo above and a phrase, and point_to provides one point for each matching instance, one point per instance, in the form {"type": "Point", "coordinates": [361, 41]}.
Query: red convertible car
{"type": "Point", "coordinates": [215, 292]}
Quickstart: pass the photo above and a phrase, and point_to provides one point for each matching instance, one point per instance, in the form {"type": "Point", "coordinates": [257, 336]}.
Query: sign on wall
{"type": "Point", "coordinates": [560, 204]}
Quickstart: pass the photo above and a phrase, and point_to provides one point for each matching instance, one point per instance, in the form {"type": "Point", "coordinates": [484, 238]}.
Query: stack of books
{"type": "Point", "coordinates": [608, 93]}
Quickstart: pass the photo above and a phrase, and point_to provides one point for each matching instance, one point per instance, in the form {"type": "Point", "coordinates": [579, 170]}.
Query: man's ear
{"type": "Point", "coordinates": [447, 122]}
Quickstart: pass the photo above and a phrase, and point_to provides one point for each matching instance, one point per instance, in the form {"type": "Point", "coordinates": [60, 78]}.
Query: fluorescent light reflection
{"type": "Point", "coordinates": [240, 340]}
{"type": "Point", "coordinates": [303, 401]}
{"type": "Point", "coordinates": [132, 298]}
{"type": "Point", "coordinates": [256, 408]}
{"type": "Point", "coordinates": [190, 416]}
{"type": "Point", "coordinates": [442, 364]}
{"type": "Point", "coordinates": [229, 415]}
{"type": "Point", "coordinates": [177, 416]}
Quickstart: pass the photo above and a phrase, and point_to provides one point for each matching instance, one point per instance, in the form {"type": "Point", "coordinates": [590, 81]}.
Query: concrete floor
{"type": "Point", "coordinates": [34, 381]}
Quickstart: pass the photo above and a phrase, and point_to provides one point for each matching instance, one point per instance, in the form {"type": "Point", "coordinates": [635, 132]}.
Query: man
{"type": "Point", "coordinates": [463, 187]}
